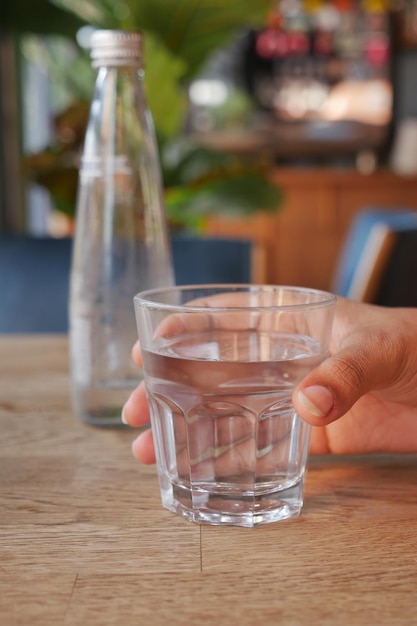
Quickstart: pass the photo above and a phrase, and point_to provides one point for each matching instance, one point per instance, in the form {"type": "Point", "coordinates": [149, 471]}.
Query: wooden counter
{"type": "Point", "coordinates": [84, 540]}
{"type": "Point", "coordinates": [303, 240]}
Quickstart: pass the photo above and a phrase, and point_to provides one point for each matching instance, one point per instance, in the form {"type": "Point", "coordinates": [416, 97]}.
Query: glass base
{"type": "Point", "coordinates": [102, 404]}
{"type": "Point", "coordinates": [106, 418]}
{"type": "Point", "coordinates": [231, 509]}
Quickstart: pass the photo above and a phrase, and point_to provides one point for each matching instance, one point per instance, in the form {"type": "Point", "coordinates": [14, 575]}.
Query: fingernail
{"type": "Point", "coordinates": [317, 400]}
{"type": "Point", "coordinates": [123, 418]}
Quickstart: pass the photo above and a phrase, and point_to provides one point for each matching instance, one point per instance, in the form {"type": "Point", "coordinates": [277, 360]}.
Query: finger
{"type": "Point", "coordinates": [318, 441]}
{"type": "Point", "coordinates": [137, 354]}
{"type": "Point", "coordinates": [143, 448]}
{"type": "Point", "coordinates": [136, 409]}
{"type": "Point", "coordinates": [332, 388]}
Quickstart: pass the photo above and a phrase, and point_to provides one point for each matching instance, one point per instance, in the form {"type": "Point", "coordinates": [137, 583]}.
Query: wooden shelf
{"type": "Point", "coordinates": [303, 240]}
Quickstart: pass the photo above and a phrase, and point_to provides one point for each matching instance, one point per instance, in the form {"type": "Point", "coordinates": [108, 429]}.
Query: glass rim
{"type": "Point", "coordinates": [145, 300]}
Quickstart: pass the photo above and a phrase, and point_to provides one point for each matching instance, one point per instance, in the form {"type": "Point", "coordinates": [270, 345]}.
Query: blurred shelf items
{"type": "Point", "coordinates": [321, 76]}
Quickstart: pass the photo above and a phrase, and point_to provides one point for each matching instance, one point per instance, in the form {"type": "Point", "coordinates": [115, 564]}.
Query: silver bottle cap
{"type": "Point", "coordinates": [116, 47]}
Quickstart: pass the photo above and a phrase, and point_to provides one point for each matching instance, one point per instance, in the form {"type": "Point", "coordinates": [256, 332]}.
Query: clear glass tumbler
{"type": "Point", "coordinates": [220, 365]}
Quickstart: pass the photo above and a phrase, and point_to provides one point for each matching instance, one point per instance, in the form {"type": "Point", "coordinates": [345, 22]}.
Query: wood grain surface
{"type": "Point", "coordinates": [84, 539]}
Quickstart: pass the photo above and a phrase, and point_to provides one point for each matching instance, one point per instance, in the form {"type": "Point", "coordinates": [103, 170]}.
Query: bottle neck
{"type": "Point", "coordinates": [119, 116]}
{"type": "Point", "coordinates": [134, 72]}
{"type": "Point", "coordinates": [125, 84]}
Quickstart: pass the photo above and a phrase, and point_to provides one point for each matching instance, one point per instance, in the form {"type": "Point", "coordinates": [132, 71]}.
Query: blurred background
{"type": "Point", "coordinates": [276, 120]}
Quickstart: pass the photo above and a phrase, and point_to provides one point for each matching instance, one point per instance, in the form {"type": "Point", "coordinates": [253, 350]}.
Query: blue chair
{"type": "Point", "coordinates": [200, 260]}
{"type": "Point", "coordinates": [397, 285]}
{"type": "Point", "coordinates": [34, 276]}
{"type": "Point", "coordinates": [34, 281]}
{"type": "Point", "coordinates": [378, 262]}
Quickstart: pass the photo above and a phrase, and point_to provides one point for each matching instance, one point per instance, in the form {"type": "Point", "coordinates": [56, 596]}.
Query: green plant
{"type": "Point", "coordinates": [179, 35]}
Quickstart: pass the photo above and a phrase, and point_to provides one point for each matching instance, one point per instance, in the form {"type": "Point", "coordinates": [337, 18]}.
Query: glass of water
{"type": "Point", "coordinates": [220, 365]}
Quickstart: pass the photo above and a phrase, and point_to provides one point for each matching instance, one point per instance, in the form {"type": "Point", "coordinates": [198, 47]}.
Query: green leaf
{"type": "Point", "coordinates": [184, 162]}
{"type": "Point", "coordinates": [37, 16]}
{"type": "Point", "coordinates": [190, 29]}
{"type": "Point", "coordinates": [179, 36]}
{"type": "Point", "coordinates": [163, 72]}
{"type": "Point", "coordinates": [98, 13]}
{"type": "Point", "coordinates": [239, 195]}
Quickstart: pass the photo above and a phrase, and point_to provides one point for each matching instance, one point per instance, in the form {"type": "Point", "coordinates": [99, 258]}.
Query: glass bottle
{"type": "Point", "coordinates": [121, 242]}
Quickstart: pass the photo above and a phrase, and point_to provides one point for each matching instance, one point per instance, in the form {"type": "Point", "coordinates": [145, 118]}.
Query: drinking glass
{"type": "Point", "coordinates": [220, 364]}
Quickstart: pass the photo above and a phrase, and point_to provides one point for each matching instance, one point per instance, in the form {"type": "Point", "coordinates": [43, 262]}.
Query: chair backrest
{"type": "Point", "coordinates": [378, 260]}
{"type": "Point", "coordinates": [34, 279]}
{"type": "Point", "coordinates": [34, 276]}
{"type": "Point", "coordinates": [398, 283]}
{"type": "Point", "coordinates": [200, 260]}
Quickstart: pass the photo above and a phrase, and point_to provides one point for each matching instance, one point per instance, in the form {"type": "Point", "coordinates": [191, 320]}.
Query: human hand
{"type": "Point", "coordinates": [369, 381]}
{"type": "Point", "coordinates": [365, 393]}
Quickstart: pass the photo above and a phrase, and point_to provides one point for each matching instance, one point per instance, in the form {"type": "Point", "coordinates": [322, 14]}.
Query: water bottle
{"type": "Point", "coordinates": [121, 242]}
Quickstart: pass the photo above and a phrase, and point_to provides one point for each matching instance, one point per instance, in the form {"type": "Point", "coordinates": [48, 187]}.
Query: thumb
{"type": "Point", "coordinates": [137, 354]}
{"type": "Point", "coordinates": [332, 388]}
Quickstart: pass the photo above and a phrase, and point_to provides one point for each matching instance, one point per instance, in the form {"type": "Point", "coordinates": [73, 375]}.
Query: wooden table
{"type": "Point", "coordinates": [84, 540]}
